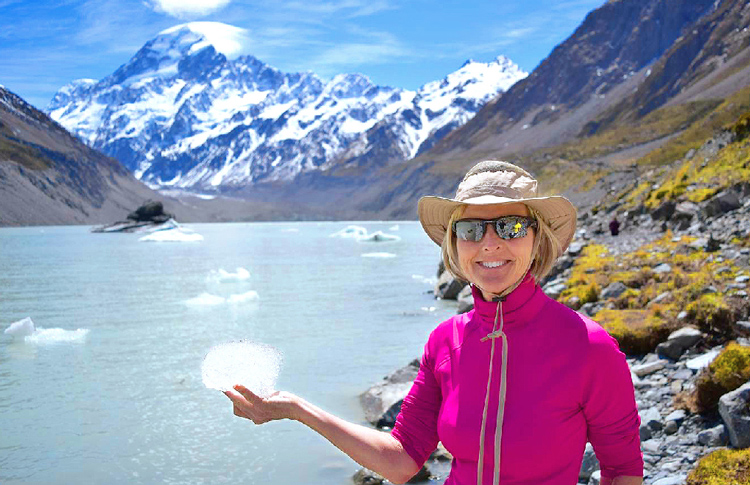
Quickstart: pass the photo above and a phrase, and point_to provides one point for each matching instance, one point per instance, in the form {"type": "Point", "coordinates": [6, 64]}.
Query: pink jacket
{"type": "Point", "coordinates": [566, 383]}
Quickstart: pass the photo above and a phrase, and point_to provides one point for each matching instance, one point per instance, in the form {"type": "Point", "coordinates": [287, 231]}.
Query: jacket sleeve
{"type": "Point", "coordinates": [610, 409]}
{"type": "Point", "coordinates": [416, 424]}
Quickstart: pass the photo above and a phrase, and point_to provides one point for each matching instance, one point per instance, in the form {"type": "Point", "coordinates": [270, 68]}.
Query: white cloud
{"type": "Point", "coordinates": [183, 9]}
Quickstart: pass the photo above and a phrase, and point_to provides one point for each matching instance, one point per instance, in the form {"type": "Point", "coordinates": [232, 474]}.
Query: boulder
{"type": "Point", "coordinates": [734, 408]}
{"type": "Point", "coordinates": [367, 477]}
{"type": "Point", "coordinates": [721, 203]}
{"type": "Point", "coordinates": [614, 290]}
{"type": "Point", "coordinates": [678, 342]}
{"type": "Point", "coordinates": [663, 268]}
{"type": "Point", "coordinates": [664, 211]}
{"type": "Point", "coordinates": [648, 368]}
{"type": "Point", "coordinates": [151, 211]}
{"type": "Point", "coordinates": [465, 300]}
{"type": "Point", "coordinates": [684, 214]}
{"type": "Point", "coordinates": [381, 398]}
{"type": "Point", "coordinates": [448, 287]}
{"type": "Point", "coordinates": [589, 465]}
{"type": "Point", "coordinates": [716, 436]}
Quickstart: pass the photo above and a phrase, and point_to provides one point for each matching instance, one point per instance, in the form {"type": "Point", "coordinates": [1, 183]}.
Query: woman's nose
{"type": "Point", "coordinates": [491, 240]}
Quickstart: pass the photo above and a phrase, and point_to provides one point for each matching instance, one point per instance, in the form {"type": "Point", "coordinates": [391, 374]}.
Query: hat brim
{"type": "Point", "coordinates": [558, 212]}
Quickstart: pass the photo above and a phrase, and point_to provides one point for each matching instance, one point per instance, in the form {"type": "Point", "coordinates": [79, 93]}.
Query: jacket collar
{"type": "Point", "coordinates": [519, 306]}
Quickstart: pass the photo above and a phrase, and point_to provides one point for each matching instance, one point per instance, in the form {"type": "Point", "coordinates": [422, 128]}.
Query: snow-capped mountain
{"type": "Point", "coordinates": [187, 112]}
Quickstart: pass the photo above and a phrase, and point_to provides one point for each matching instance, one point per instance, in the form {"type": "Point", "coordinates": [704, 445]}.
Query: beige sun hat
{"type": "Point", "coordinates": [495, 182]}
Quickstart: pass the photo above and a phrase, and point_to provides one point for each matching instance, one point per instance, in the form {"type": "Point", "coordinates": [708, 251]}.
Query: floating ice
{"type": "Point", "coordinates": [206, 299]}
{"type": "Point", "coordinates": [255, 366]}
{"type": "Point", "coordinates": [209, 299]}
{"type": "Point", "coordinates": [290, 229]}
{"type": "Point", "coordinates": [243, 297]}
{"type": "Point", "coordinates": [21, 328]}
{"type": "Point", "coordinates": [354, 232]}
{"type": "Point", "coordinates": [54, 335]}
{"type": "Point", "coordinates": [26, 330]}
{"type": "Point", "coordinates": [393, 228]}
{"type": "Point", "coordinates": [378, 236]}
{"type": "Point", "coordinates": [222, 275]}
{"type": "Point", "coordinates": [378, 255]}
{"type": "Point", "coordinates": [172, 235]}
{"type": "Point", "coordinates": [424, 279]}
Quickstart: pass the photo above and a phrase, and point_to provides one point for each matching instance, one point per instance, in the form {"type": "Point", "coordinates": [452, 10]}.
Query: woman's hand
{"type": "Point", "coordinates": [279, 405]}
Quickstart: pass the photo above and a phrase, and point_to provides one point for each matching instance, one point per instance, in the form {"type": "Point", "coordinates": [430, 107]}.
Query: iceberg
{"type": "Point", "coordinates": [222, 275]}
{"type": "Point", "coordinates": [253, 365]}
{"type": "Point", "coordinates": [378, 255]}
{"type": "Point", "coordinates": [26, 330]}
{"type": "Point", "coordinates": [206, 299]}
{"type": "Point", "coordinates": [351, 232]}
{"type": "Point", "coordinates": [55, 335]}
{"type": "Point", "coordinates": [21, 328]}
{"type": "Point", "coordinates": [378, 236]}
{"type": "Point", "coordinates": [243, 297]}
{"type": "Point", "coordinates": [172, 235]}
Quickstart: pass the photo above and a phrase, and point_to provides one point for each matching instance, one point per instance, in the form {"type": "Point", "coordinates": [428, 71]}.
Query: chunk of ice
{"type": "Point", "coordinates": [223, 276]}
{"type": "Point", "coordinates": [254, 365]}
{"type": "Point", "coordinates": [21, 328]}
{"type": "Point", "coordinates": [354, 232]}
{"type": "Point", "coordinates": [172, 235]}
{"type": "Point", "coordinates": [378, 255]}
{"type": "Point", "coordinates": [378, 236]}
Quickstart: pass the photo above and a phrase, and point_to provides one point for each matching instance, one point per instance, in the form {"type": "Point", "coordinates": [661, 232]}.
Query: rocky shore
{"type": "Point", "coordinates": [671, 364]}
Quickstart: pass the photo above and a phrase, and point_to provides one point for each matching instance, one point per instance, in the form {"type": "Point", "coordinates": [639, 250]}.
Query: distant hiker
{"type": "Point", "coordinates": [614, 226]}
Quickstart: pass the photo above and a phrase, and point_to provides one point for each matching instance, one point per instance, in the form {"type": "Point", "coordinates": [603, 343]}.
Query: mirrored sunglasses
{"type": "Point", "coordinates": [507, 227]}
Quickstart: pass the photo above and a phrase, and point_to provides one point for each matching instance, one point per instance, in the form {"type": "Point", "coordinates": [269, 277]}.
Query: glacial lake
{"type": "Point", "coordinates": [108, 389]}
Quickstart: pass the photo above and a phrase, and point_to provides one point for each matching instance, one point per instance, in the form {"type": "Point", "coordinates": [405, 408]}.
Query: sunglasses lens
{"type": "Point", "coordinates": [511, 227]}
{"type": "Point", "coordinates": [469, 230]}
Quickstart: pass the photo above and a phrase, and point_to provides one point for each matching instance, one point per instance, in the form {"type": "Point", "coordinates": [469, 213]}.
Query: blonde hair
{"type": "Point", "coordinates": [543, 256]}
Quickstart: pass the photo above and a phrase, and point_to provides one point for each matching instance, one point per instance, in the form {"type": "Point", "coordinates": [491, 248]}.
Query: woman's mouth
{"type": "Point", "coordinates": [492, 264]}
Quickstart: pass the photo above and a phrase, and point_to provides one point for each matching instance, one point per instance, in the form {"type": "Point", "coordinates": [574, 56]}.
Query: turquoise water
{"type": "Point", "coordinates": [122, 401]}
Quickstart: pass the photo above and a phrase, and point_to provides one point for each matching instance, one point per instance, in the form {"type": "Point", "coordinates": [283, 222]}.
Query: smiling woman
{"type": "Point", "coordinates": [514, 388]}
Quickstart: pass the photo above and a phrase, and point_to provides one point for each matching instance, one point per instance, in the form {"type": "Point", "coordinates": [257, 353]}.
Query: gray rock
{"type": "Point", "coordinates": [671, 427]}
{"type": "Point", "coordinates": [678, 342]}
{"type": "Point", "coordinates": [734, 408]}
{"type": "Point", "coordinates": [367, 477]}
{"type": "Point", "coordinates": [721, 203]}
{"type": "Point", "coordinates": [645, 432]}
{"type": "Point", "coordinates": [589, 465]}
{"type": "Point", "coordinates": [672, 480]}
{"type": "Point", "coordinates": [465, 300]}
{"type": "Point", "coordinates": [553, 291]}
{"type": "Point", "coordinates": [649, 368]}
{"type": "Point", "coordinates": [651, 446]}
{"type": "Point", "coordinates": [663, 268]}
{"type": "Point", "coordinates": [590, 309]}
{"type": "Point", "coordinates": [614, 290]}
{"type": "Point", "coordinates": [576, 247]}
{"type": "Point", "coordinates": [716, 436]}
{"type": "Point", "coordinates": [448, 287]}
{"type": "Point", "coordinates": [382, 398]}
{"type": "Point", "coordinates": [664, 211]}
{"type": "Point", "coordinates": [596, 478]}
{"type": "Point", "coordinates": [651, 418]}
{"type": "Point", "coordinates": [743, 324]}
{"type": "Point", "coordinates": [742, 279]}
{"type": "Point", "coordinates": [678, 416]}
{"type": "Point", "coordinates": [702, 361]}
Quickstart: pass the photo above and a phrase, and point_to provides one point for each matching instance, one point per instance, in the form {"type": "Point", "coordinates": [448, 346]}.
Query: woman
{"type": "Point", "coordinates": [513, 388]}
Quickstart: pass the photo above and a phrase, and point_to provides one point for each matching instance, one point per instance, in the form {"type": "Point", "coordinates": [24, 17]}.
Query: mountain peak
{"type": "Point", "coordinates": [226, 39]}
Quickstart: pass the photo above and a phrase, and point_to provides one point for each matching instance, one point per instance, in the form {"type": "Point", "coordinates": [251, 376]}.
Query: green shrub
{"type": "Point", "coordinates": [727, 372]}
{"type": "Point", "coordinates": [722, 467]}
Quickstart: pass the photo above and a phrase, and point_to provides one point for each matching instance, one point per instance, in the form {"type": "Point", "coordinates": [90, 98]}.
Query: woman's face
{"type": "Point", "coordinates": [494, 264]}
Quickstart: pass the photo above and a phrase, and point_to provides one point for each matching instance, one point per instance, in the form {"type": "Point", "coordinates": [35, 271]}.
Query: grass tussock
{"type": "Point", "coordinates": [730, 370]}
{"type": "Point", "coordinates": [722, 467]}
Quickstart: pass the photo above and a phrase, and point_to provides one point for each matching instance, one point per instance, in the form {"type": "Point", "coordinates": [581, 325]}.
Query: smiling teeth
{"type": "Point", "coordinates": [493, 264]}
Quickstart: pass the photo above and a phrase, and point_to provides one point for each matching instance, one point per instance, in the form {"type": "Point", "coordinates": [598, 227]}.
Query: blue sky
{"type": "Point", "coordinates": [45, 44]}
